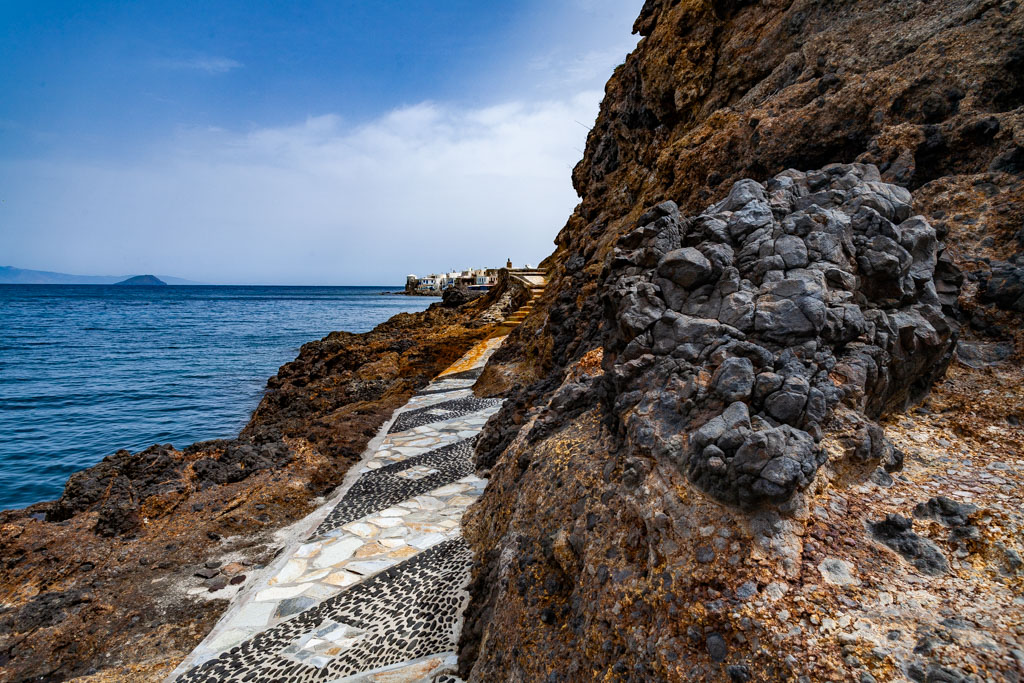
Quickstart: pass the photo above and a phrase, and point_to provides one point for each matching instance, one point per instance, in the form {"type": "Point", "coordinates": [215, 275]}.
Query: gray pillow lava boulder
{"type": "Point", "coordinates": [735, 339]}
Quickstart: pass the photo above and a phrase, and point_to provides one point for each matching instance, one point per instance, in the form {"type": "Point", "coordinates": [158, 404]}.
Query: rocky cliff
{"type": "Point", "coordinates": [735, 448]}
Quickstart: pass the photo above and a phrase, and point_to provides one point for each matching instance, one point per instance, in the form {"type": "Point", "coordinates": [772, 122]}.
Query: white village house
{"type": "Point", "coordinates": [472, 278]}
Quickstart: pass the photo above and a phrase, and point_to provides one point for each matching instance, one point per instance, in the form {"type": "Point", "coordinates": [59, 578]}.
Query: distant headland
{"type": "Point", "coordinates": [143, 281]}
{"type": "Point", "coordinates": [9, 275]}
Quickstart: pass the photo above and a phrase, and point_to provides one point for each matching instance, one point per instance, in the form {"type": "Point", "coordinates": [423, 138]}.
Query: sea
{"type": "Point", "coordinates": [86, 370]}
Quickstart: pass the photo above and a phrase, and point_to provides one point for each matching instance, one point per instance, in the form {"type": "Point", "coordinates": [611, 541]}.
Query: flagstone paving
{"type": "Point", "coordinates": [376, 591]}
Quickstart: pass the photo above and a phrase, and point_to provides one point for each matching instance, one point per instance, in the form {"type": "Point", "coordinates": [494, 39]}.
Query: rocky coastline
{"type": "Point", "coordinates": [762, 424]}
{"type": "Point", "coordinates": [123, 575]}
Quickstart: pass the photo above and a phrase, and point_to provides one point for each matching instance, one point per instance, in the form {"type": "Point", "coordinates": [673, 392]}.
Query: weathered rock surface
{"type": "Point", "coordinates": [1005, 284]}
{"type": "Point", "coordinates": [457, 295]}
{"type": "Point", "coordinates": [811, 293]}
{"type": "Point", "coordinates": [616, 544]}
{"type": "Point", "coordinates": [897, 532]}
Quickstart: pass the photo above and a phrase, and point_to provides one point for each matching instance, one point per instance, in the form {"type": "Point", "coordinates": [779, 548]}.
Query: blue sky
{"type": "Point", "coordinates": [295, 143]}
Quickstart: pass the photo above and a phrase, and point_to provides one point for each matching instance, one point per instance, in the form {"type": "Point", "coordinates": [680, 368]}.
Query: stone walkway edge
{"type": "Point", "coordinates": [371, 586]}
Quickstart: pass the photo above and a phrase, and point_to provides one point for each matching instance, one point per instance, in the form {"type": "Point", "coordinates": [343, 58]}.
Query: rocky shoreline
{"type": "Point", "coordinates": [122, 576]}
{"type": "Point", "coordinates": [762, 424]}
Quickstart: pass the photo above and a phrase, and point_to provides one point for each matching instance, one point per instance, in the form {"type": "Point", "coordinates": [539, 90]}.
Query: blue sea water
{"type": "Point", "coordinates": [87, 370]}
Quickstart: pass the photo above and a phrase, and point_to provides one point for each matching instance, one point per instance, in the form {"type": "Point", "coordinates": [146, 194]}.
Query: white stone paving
{"type": "Point", "coordinates": [321, 563]}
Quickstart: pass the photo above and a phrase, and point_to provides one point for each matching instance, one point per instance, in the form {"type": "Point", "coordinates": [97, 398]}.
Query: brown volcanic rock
{"type": "Point", "coordinates": [931, 93]}
{"type": "Point", "coordinates": [813, 294]}
{"type": "Point", "coordinates": [109, 585]}
{"type": "Point", "coordinates": [602, 561]}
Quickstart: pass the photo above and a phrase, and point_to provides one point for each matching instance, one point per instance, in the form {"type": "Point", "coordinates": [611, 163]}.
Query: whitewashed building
{"type": "Point", "coordinates": [473, 278]}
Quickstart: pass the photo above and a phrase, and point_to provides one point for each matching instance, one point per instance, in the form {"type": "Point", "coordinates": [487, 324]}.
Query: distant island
{"type": "Point", "coordinates": [9, 275]}
{"type": "Point", "coordinates": [143, 281]}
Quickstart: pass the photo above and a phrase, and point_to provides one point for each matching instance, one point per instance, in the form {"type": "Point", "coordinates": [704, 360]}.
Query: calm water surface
{"type": "Point", "coordinates": [87, 370]}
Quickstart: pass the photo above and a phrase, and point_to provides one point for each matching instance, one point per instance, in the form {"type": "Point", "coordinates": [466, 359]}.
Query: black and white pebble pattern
{"type": "Point", "coordinates": [444, 387]}
{"type": "Point", "coordinates": [473, 373]}
{"type": "Point", "coordinates": [441, 390]}
{"type": "Point", "coordinates": [379, 489]}
{"type": "Point", "coordinates": [409, 611]}
{"type": "Point", "coordinates": [445, 410]}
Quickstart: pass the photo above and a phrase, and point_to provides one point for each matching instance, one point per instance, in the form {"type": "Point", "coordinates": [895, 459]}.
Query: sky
{"type": "Point", "coordinates": [324, 142]}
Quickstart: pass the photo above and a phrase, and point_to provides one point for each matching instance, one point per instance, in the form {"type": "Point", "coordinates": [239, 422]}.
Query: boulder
{"type": "Point", "coordinates": [896, 532]}
{"type": "Point", "coordinates": [1005, 286]}
{"type": "Point", "coordinates": [686, 267]}
{"type": "Point", "coordinates": [734, 379]}
{"type": "Point", "coordinates": [456, 295]}
{"type": "Point", "coordinates": [789, 297]}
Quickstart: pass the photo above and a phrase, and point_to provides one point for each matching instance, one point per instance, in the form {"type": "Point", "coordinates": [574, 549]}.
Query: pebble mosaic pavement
{"type": "Point", "coordinates": [376, 591]}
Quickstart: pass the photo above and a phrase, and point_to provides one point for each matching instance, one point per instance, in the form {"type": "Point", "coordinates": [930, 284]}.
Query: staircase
{"type": "Point", "coordinates": [535, 281]}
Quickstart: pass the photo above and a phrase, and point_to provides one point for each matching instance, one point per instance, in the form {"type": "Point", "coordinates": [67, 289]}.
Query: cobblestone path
{"type": "Point", "coordinates": [376, 587]}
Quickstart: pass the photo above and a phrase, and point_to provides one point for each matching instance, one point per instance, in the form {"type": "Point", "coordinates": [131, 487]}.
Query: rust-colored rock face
{"type": "Point", "coordinates": [616, 540]}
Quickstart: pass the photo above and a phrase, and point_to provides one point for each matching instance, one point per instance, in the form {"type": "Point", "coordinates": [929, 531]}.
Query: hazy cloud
{"type": "Point", "coordinates": [423, 187]}
{"type": "Point", "coordinates": [210, 65]}
{"type": "Point", "coordinates": [560, 71]}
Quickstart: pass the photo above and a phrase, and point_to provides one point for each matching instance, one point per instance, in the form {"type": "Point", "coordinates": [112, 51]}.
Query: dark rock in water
{"type": "Point", "coordinates": [143, 280]}
{"type": "Point", "coordinates": [812, 293]}
{"type": "Point", "coordinates": [896, 533]}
